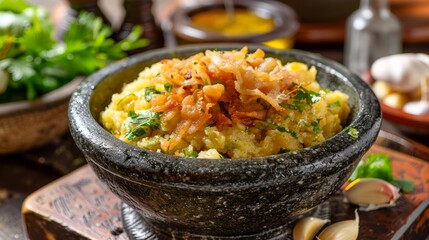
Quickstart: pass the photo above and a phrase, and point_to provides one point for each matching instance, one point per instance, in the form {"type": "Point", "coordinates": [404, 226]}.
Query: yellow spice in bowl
{"type": "Point", "coordinates": [230, 104]}
{"type": "Point", "coordinates": [243, 22]}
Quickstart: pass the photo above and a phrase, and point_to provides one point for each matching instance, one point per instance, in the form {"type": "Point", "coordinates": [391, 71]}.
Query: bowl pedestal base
{"type": "Point", "coordinates": [137, 228]}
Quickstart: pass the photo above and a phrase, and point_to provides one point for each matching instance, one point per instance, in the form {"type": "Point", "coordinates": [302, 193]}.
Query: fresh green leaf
{"type": "Point", "coordinates": [310, 97]}
{"type": "Point", "coordinates": [316, 126]}
{"type": "Point", "coordinates": [13, 24]}
{"type": "Point", "coordinates": [132, 134]}
{"type": "Point", "coordinates": [374, 166]}
{"type": "Point", "coordinates": [190, 153]}
{"type": "Point", "coordinates": [296, 106]}
{"type": "Point", "coordinates": [327, 90]}
{"type": "Point", "coordinates": [269, 124]}
{"type": "Point", "coordinates": [335, 104]}
{"type": "Point", "coordinates": [302, 99]}
{"type": "Point", "coordinates": [353, 132]}
{"type": "Point", "coordinates": [407, 186]}
{"type": "Point", "coordinates": [378, 165]}
{"type": "Point", "coordinates": [139, 124]}
{"type": "Point", "coordinates": [16, 6]}
{"type": "Point", "coordinates": [21, 70]}
{"type": "Point", "coordinates": [133, 40]}
{"type": "Point", "coordinates": [148, 92]}
{"type": "Point", "coordinates": [37, 63]}
{"type": "Point", "coordinates": [37, 38]}
{"type": "Point", "coordinates": [168, 87]}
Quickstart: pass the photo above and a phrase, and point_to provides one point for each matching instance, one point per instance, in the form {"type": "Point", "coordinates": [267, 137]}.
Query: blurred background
{"type": "Point", "coordinates": [322, 27]}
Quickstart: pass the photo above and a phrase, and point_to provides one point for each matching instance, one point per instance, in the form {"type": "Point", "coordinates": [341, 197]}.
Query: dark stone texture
{"type": "Point", "coordinates": [250, 196]}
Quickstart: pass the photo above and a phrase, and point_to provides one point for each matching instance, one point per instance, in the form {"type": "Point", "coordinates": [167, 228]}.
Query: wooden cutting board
{"type": "Point", "coordinates": [79, 206]}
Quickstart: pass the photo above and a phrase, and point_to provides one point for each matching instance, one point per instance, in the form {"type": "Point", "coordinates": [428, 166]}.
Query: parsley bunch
{"type": "Point", "coordinates": [302, 99]}
{"type": "Point", "coordinates": [33, 63]}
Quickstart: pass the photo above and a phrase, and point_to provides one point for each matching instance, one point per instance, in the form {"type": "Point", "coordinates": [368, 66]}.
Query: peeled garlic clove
{"type": "Point", "coordinates": [417, 107]}
{"type": "Point", "coordinates": [381, 89]}
{"type": "Point", "coordinates": [395, 100]}
{"type": "Point", "coordinates": [307, 228]}
{"type": "Point", "coordinates": [344, 230]}
{"type": "Point", "coordinates": [371, 193]}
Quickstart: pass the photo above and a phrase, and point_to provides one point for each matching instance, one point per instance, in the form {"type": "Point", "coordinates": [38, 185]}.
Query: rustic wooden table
{"type": "Point", "coordinates": [79, 206]}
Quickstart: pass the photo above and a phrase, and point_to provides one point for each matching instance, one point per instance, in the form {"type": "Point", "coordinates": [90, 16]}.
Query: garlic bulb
{"type": "Point", "coordinates": [307, 228]}
{"type": "Point", "coordinates": [371, 193]}
{"type": "Point", "coordinates": [403, 72]}
{"type": "Point", "coordinates": [344, 230]}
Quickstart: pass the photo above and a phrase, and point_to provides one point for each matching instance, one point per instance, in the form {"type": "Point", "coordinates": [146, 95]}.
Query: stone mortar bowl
{"type": "Point", "coordinates": [249, 198]}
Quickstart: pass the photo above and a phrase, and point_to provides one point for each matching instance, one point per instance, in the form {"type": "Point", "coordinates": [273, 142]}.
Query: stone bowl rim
{"type": "Point", "coordinates": [136, 164]}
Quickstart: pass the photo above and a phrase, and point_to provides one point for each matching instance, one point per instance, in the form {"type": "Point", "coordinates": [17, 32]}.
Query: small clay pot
{"type": "Point", "coordinates": [249, 198]}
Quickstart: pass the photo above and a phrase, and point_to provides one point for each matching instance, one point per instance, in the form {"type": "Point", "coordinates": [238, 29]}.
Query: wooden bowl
{"type": "Point", "coordinates": [29, 124]}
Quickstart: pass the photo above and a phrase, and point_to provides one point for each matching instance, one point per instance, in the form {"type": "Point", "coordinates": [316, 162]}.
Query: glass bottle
{"type": "Point", "coordinates": [373, 31]}
{"type": "Point", "coordinates": [139, 12]}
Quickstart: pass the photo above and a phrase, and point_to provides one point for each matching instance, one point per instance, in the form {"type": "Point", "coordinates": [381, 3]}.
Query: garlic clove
{"type": "Point", "coordinates": [344, 230]}
{"type": "Point", "coordinates": [417, 107]}
{"type": "Point", "coordinates": [307, 228]}
{"type": "Point", "coordinates": [371, 193]}
{"type": "Point", "coordinates": [402, 71]}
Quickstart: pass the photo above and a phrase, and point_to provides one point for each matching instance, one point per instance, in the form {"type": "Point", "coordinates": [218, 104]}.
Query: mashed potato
{"type": "Point", "coordinates": [225, 104]}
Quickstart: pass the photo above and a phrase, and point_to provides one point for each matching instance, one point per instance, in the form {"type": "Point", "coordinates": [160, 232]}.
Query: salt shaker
{"type": "Point", "coordinates": [373, 31]}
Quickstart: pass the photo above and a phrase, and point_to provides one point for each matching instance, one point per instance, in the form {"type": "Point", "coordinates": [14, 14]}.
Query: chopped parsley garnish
{"type": "Point", "coordinates": [139, 124]}
{"type": "Point", "coordinates": [352, 132]}
{"type": "Point", "coordinates": [295, 106]}
{"type": "Point", "coordinates": [168, 87]}
{"type": "Point", "coordinates": [309, 96]}
{"type": "Point", "coordinates": [302, 99]}
{"type": "Point", "coordinates": [190, 153]}
{"type": "Point", "coordinates": [269, 123]}
{"type": "Point", "coordinates": [327, 90]}
{"type": "Point", "coordinates": [148, 92]}
{"type": "Point", "coordinates": [335, 104]}
{"type": "Point", "coordinates": [316, 126]}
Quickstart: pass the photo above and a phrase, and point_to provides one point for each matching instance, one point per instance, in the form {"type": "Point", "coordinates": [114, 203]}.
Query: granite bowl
{"type": "Point", "coordinates": [249, 198]}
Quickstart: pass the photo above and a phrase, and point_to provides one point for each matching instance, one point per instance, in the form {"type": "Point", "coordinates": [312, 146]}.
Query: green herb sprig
{"type": "Point", "coordinates": [302, 99]}
{"type": "Point", "coordinates": [353, 132]}
{"type": "Point", "coordinates": [34, 63]}
{"type": "Point", "coordinates": [138, 125]}
{"type": "Point", "coordinates": [269, 124]}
